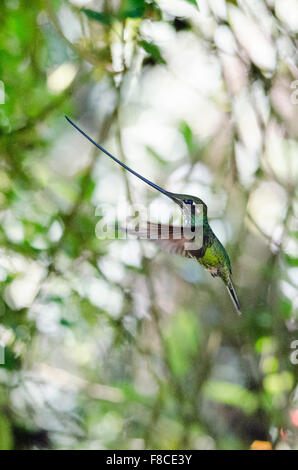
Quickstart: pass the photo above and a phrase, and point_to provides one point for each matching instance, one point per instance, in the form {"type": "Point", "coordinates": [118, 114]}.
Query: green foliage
{"type": "Point", "coordinates": [183, 341]}
{"type": "Point", "coordinates": [187, 134]}
{"type": "Point", "coordinates": [156, 156]}
{"type": "Point", "coordinates": [104, 18]}
{"type": "Point", "coordinates": [231, 394]}
{"type": "Point", "coordinates": [6, 438]}
{"type": "Point", "coordinates": [132, 8]}
{"type": "Point", "coordinates": [194, 2]}
{"type": "Point", "coordinates": [291, 261]}
{"type": "Point", "coordinates": [152, 50]}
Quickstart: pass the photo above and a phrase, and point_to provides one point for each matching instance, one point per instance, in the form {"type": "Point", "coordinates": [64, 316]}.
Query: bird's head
{"type": "Point", "coordinates": [187, 201]}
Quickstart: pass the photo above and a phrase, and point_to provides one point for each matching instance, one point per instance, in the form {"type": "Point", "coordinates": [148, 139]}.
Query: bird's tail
{"type": "Point", "coordinates": [233, 295]}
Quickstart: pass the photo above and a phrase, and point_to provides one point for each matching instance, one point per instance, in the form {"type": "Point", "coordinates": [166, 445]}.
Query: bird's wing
{"type": "Point", "coordinates": [168, 237]}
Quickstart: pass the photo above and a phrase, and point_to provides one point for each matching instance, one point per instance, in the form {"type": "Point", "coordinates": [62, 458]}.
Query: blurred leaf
{"type": "Point", "coordinates": [89, 186]}
{"type": "Point", "coordinates": [264, 319]}
{"type": "Point", "coordinates": [265, 345]}
{"type": "Point", "coordinates": [11, 361]}
{"type": "Point", "coordinates": [193, 2]}
{"type": "Point", "coordinates": [84, 225]}
{"type": "Point", "coordinates": [278, 383]}
{"type": "Point", "coordinates": [6, 438]}
{"type": "Point", "coordinates": [152, 50]}
{"type": "Point", "coordinates": [156, 155]}
{"type": "Point", "coordinates": [58, 300]}
{"type": "Point", "coordinates": [231, 394]}
{"type": "Point", "coordinates": [66, 323]}
{"type": "Point", "coordinates": [259, 173]}
{"type": "Point", "coordinates": [182, 339]}
{"type": "Point", "coordinates": [104, 18]}
{"type": "Point", "coordinates": [132, 8]}
{"type": "Point", "coordinates": [187, 134]}
{"type": "Point", "coordinates": [270, 365]}
{"type": "Point", "coordinates": [286, 307]}
{"type": "Point", "coordinates": [71, 245]}
{"type": "Point", "coordinates": [136, 269]}
{"type": "Point", "coordinates": [132, 395]}
{"type": "Point", "coordinates": [291, 261]}
{"type": "Point", "coordinates": [89, 312]}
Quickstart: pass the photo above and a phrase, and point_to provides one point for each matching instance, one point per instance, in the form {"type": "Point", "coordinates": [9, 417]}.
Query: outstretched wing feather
{"type": "Point", "coordinates": [168, 237]}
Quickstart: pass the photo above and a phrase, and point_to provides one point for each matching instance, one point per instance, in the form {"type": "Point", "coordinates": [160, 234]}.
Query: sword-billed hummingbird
{"type": "Point", "coordinates": [209, 252]}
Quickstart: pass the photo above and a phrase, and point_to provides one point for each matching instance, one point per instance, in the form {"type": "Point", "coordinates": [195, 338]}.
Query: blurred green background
{"type": "Point", "coordinates": [112, 344]}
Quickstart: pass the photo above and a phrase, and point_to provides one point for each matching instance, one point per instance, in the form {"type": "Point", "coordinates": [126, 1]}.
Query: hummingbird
{"type": "Point", "coordinates": [208, 252]}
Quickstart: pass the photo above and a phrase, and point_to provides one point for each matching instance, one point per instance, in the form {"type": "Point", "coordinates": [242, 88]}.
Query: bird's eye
{"type": "Point", "coordinates": [188, 201]}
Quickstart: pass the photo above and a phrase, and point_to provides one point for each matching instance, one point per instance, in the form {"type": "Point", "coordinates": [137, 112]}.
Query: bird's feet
{"type": "Point", "coordinates": [213, 272]}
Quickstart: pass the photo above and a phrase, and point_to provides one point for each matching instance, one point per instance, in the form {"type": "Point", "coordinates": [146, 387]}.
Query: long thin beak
{"type": "Point", "coordinates": [155, 186]}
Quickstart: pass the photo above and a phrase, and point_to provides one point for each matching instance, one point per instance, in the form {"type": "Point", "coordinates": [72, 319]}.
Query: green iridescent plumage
{"type": "Point", "coordinates": [205, 248]}
{"type": "Point", "coordinates": [210, 253]}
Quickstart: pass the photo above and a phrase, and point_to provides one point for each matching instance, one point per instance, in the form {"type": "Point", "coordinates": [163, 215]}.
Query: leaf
{"type": "Point", "coordinates": [193, 2]}
{"type": "Point", "coordinates": [286, 307]}
{"type": "Point", "coordinates": [6, 439]}
{"type": "Point", "coordinates": [187, 134]}
{"type": "Point", "coordinates": [276, 384]}
{"type": "Point", "coordinates": [183, 340]}
{"type": "Point", "coordinates": [66, 323]}
{"type": "Point", "coordinates": [132, 9]}
{"type": "Point", "coordinates": [156, 155]}
{"type": "Point", "coordinates": [133, 268]}
{"type": "Point", "coordinates": [11, 361]}
{"type": "Point", "coordinates": [291, 261]}
{"type": "Point", "coordinates": [153, 50]}
{"type": "Point", "coordinates": [104, 18]}
{"type": "Point", "coordinates": [231, 394]}
{"type": "Point", "coordinates": [129, 9]}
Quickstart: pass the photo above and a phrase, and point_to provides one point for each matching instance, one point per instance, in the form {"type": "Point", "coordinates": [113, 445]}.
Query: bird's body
{"type": "Point", "coordinates": [194, 239]}
{"type": "Point", "coordinates": [207, 250]}
{"type": "Point", "coordinates": [215, 258]}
